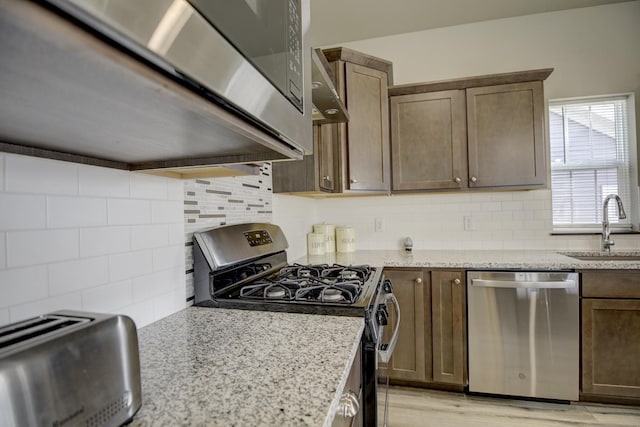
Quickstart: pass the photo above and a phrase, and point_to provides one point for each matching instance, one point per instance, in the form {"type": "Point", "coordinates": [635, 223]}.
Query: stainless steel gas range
{"type": "Point", "coordinates": [245, 266]}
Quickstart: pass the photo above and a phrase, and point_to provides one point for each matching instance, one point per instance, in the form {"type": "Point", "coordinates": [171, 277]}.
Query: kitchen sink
{"type": "Point", "coordinates": [604, 256]}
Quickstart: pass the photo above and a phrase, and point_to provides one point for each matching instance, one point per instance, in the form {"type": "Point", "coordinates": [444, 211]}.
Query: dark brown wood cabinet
{"type": "Point", "coordinates": [428, 134]}
{"type": "Point", "coordinates": [505, 128]}
{"type": "Point", "coordinates": [351, 157]}
{"type": "Point", "coordinates": [411, 360]}
{"type": "Point", "coordinates": [483, 132]}
{"type": "Point", "coordinates": [431, 347]}
{"type": "Point", "coordinates": [611, 336]}
{"type": "Point", "coordinates": [449, 327]}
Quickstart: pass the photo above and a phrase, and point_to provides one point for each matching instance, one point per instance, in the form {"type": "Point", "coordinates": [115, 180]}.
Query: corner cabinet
{"type": "Point", "coordinates": [431, 347]}
{"type": "Point", "coordinates": [351, 157]}
{"type": "Point", "coordinates": [479, 132]}
{"type": "Point", "coordinates": [610, 336]}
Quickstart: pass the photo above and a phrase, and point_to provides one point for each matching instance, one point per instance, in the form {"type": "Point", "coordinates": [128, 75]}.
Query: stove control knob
{"type": "Point", "coordinates": [387, 286]}
{"type": "Point", "coordinates": [349, 405]}
{"type": "Point", "coordinates": [382, 315]}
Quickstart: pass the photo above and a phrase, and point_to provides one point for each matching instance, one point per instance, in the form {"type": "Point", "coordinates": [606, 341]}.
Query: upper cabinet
{"type": "Point", "coordinates": [428, 133]}
{"type": "Point", "coordinates": [481, 132]}
{"type": "Point", "coordinates": [351, 157]}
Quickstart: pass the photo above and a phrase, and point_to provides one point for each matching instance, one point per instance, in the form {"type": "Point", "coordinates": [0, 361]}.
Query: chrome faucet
{"type": "Point", "coordinates": [606, 233]}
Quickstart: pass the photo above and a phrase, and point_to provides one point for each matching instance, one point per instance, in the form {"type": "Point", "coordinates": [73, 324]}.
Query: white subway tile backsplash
{"type": "Point", "coordinates": [176, 234]}
{"type": "Point", "coordinates": [149, 286]}
{"type": "Point", "coordinates": [103, 182]}
{"type": "Point", "coordinates": [168, 256]}
{"type": "Point", "coordinates": [64, 212]}
{"type": "Point", "coordinates": [22, 285]}
{"type": "Point", "coordinates": [71, 301]}
{"type": "Point", "coordinates": [130, 264]}
{"type": "Point", "coordinates": [145, 186]}
{"type": "Point", "coordinates": [167, 211]}
{"type": "Point", "coordinates": [4, 316]}
{"type": "Point", "coordinates": [175, 189]}
{"type": "Point", "coordinates": [21, 211]}
{"type": "Point", "coordinates": [104, 240]}
{"type": "Point", "coordinates": [166, 304]}
{"type": "Point", "coordinates": [141, 313]}
{"type": "Point", "coordinates": [149, 236]}
{"type": "Point", "coordinates": [41, 246]}
{"type": "Point", "coordinates": [25, 174]}
{"type": "Point", "coordinates": [515, 205]}
{"type": "Point", "coordinates": [3, 250]}
{"type": "Point", "coordinates": [2, 175]}
{"type": "Point", "coordinates": [126, 212]}
{"type": "Point", "coordinates": [108, 297]}
{"type": "Point", "coordinates": [76, 275]}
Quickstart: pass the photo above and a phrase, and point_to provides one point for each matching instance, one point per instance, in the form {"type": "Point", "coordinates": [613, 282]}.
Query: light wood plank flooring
{"type": "Point", "coordinates": [417, 407]}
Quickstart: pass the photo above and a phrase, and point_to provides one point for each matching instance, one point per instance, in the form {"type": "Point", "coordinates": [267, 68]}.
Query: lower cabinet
{"type": "Point", "coordinates": [611, 336]}
{"type": "Point", "coordinates": [431, 347]}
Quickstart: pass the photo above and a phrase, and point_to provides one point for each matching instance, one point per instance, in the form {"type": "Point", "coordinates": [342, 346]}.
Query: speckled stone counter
{"type": "Point", "coordinates": [218, 367]}
{"type": "Point", "coordinates": [506, 259]}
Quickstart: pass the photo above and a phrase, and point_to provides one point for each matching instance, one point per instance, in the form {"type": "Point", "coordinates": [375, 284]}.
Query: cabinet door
{"type": "Point", "coordinates": [367, 132]}
{"type": "Point", "coordinates": [448, 317]}
{"type": "Point", "coordinates": [411, 360]}
{"type": "Point", "coordinates": [428, 140]}
{"type": "Point", "coordinates": [506, 135]}
{"type": "Point", "coordinates": [611, 347]}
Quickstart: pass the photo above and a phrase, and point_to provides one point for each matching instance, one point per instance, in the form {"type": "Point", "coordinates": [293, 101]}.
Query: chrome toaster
{"type": "Point", "coordinates": [69, 368]}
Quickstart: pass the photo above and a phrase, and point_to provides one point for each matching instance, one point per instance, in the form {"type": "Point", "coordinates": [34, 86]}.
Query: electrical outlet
{"type": "Point", "coordinates": [379, 225]}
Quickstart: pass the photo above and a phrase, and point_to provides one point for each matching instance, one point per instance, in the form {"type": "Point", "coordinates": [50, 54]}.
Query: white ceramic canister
{"type": "Point", "coordinates": [345, 239]}
{"type": "Point", "coordinates": [316, 244]}
{"type": "Point", "coordinates": [329, 232]}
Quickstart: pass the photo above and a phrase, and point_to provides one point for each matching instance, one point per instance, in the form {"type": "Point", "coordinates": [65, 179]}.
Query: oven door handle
{"type": "Point", "coordinates": [386, 350]}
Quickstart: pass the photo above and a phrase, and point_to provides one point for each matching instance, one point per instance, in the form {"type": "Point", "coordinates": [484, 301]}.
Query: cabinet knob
{"type": "Point", "coordinates": [457, 179]}
{"type": "Point", "coordinates": [418, 280]}
{"type": "Point", "coordinates": [473, 179]}
{"type": "Point", "coordinates": [326, 178]}
{"type": "Point", "coordinates": [354, 181]}
{"type": "Point", "coordinates": [456, 281]}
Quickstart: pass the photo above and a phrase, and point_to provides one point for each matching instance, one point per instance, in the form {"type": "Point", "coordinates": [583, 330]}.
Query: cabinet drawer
{"type": "Point", "coordinates": [611, 284]}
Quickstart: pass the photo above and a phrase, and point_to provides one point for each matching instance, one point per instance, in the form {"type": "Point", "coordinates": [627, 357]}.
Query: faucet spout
{"type": "Point", "coordinates": [606, 231]}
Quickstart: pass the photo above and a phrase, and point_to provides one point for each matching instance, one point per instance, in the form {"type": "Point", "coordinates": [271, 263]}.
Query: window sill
{"type": "Point", "coordinates": [590, 233]}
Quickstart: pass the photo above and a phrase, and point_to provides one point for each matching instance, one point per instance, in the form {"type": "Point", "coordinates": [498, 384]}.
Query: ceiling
{"type": "Point", "coordinates": [339, 21]}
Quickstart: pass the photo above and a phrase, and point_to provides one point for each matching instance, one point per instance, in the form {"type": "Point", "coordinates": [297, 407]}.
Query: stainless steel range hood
{"type": "Point", "coordinates": [72, 94]}
{"type": "Point", "coordinates": [328, 107]}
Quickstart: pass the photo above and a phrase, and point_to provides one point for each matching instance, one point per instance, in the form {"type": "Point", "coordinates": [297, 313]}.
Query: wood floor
{"type": "Point", "coordinates": [428, 408]}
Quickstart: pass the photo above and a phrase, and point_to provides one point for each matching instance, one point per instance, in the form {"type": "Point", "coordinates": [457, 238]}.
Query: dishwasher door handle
{"type": "Point", "coordinates": [518, 284]}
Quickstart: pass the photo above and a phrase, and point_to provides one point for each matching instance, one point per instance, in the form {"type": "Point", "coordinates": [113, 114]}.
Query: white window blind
{"type": "Point", "coordinates": [589, 145]}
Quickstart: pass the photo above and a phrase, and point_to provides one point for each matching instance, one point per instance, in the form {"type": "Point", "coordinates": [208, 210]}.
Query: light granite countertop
{"type": "Point", "coordinates": [220, 367]}
{"type": "Point", "coordinates": [470, 259]}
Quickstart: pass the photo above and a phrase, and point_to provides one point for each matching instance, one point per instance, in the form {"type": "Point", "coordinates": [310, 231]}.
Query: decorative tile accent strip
{"type": "Point", "coordinates": [228, 193]}
{"type": "Point", "coordinates": [223, 201]}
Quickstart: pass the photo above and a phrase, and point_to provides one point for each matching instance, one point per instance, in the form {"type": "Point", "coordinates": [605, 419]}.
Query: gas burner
{"type": "Point", "coordinates": [304, 273]}
{"type": "Point", "coordinates": [331, 294]}
{"type": "Point", "coordinates": [275, 293]}
{"type": "Point", "coordinates": [348, 274]}
{"type": "Point", "coordinates": [268, 290]}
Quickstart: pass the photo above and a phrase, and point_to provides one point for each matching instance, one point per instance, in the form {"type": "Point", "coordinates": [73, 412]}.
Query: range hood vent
{"type": "Point", "coordinates": [69, 93]}
{"type": "Point", "coordinates": [328, 107]}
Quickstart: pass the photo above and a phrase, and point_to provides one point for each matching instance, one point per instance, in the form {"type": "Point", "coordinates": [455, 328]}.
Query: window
{"type": "Point", "coordinates": [589, 142]}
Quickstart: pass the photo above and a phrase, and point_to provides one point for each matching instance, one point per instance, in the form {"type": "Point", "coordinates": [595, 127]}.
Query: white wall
{"type": "Point", "coordinates": [87, 238]}
{"type": "Point", "coordinates": [593, 51]}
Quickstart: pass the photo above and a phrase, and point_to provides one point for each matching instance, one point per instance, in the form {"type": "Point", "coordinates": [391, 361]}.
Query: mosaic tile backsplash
{"type": "Point", "coordinates": [221, 201]}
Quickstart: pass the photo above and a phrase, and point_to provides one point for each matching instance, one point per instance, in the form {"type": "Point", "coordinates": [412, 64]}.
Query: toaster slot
{"type": "Point", "coordinates": [36, 327]}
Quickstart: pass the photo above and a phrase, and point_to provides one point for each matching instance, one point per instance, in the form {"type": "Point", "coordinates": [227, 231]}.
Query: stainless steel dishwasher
{"type": "Point", "coordinates": [524, 333]}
